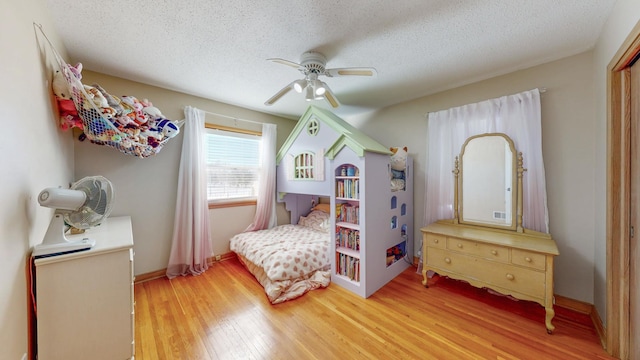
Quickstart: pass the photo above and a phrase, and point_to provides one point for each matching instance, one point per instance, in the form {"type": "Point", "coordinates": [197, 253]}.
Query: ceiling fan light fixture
{"type": "Point", "coordinates": [299, 85]}
{"type": "Point", "coordinates": [319, 87]}
{"type": "Point", "coordinates": [309, 94]}
{"type": "Point", "coordinates": [313, 65]}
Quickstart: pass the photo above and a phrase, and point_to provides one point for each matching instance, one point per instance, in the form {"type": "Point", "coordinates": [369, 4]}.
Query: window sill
{"type": "Point", "coordinates": [231, 203]}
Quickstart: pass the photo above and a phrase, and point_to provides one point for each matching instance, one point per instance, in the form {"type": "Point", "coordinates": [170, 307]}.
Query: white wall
{"type": "Point", "coordinates": [146, 188]}
{"type": "Point", "coordinates": [623, 18]}
{"type": "Point", "coordinates": [568, 132]}
{"type": "Point", "coordinates": [35, 155]}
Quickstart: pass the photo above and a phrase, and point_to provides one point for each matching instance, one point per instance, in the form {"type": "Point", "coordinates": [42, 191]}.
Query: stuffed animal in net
{"type": "Point", "coordinates": [68, 114]}
{"type": "Point", "coordinates": [101, 116]}
{"type": "Point", "coordinates": [398, 167]}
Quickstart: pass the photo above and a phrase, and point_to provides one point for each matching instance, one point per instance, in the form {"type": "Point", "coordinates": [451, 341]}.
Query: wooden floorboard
{"type": "Point", "coordinates": [224, 314]}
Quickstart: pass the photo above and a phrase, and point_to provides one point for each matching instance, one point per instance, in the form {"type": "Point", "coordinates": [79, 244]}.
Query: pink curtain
{"type": "Point", "coordinates": [518, 116]}
{"type": "Point", "coordinates": [265, 217]}
{"type": "Point", "coordinates": [191, 246]}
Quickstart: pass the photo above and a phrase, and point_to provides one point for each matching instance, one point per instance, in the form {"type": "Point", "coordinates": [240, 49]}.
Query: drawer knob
{"type": "Point", "coordinates": [435, 241]}
{"type": "Point", "coordinates": [527, 259]}
{"type": "Point", "coordinates": [447, 260]}
{"type": "Point", "coordinates": [459, 245]}
{"type": "Point", "coordinates": [509, 276]}
{"type": "Point", "coordinates": [493, 252]}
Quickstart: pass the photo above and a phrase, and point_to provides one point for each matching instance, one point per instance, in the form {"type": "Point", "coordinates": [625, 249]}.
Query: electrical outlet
{"type": "Point", "coordinates": [218, 257]}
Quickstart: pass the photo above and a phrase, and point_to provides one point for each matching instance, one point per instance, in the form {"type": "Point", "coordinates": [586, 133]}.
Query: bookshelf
{"type": "Point", "coordinates": [373, 225]}
{"type": "Point", "coordinates": [347, 219]}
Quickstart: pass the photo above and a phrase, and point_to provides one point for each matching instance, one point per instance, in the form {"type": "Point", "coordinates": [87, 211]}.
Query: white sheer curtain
{"type": "Point", "coordinates": [266, 207]}
{"type": "Point", "coordinates": [519, 117]}
{"type": "Point", "coordinates": [191, 245]}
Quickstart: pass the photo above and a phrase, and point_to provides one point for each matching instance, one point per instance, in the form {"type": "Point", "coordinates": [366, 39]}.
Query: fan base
{"type": "Point", "coordinates": [46, 250]}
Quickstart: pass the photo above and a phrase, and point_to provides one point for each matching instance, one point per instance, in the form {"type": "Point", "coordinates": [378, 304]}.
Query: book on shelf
{"type": "Point", "coordinates": [348, 213]}
{"type": "Point", "coordinates": [348, 238]}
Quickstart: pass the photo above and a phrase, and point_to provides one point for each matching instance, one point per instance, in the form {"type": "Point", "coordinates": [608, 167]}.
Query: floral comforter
{"type": "Point", "coordinates": [288, 260]}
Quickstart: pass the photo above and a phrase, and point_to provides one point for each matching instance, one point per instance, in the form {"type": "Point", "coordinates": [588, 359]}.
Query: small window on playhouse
{"type": "Point", "coordinates": [307, 165]}
{"type": "Point", "coordinates": [304, 166]}
{"type": "Point", "coordinates": [313, 127]}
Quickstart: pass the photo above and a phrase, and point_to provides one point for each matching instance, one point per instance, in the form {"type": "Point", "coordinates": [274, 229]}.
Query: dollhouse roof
{"type": "Point", "coordinates": [349, 135]}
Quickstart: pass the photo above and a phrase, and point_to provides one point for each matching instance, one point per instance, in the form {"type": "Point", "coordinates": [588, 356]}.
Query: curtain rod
{"type": "Point", "coordinates": [542, 90]}
{"type": "Point", "coordinates": [229, 117]}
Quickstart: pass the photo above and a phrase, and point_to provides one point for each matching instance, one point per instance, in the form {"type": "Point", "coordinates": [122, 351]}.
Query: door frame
{"type": "Point", "coordinates": [618, 195]}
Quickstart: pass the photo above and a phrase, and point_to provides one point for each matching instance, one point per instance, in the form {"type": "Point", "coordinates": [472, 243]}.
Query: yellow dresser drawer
{"type": "Point", "coordinates": [528, 259]}
{"type": "Point", "coordinates": [486, 251]}
{"type": "Point", "coordinates": [522, 280]}
{"type": "Point", "coordinates": [435, 240]}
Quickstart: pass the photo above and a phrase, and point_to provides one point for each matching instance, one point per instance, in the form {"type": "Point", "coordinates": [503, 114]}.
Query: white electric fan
{"type": "Point", "coordinates": [87, 203]}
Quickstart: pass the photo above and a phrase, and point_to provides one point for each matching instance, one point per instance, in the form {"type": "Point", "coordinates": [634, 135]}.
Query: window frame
{"type": "Point", "coordinates": [225, 203]}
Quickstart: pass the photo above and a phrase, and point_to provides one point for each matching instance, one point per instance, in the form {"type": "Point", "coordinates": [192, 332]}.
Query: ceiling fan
{"type": "Point", "coordinates": [312, 65]}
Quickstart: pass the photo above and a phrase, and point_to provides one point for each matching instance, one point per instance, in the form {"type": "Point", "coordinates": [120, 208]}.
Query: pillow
{"type": "Point", "coordinates": [323, 207]}
{"type": "Point", "coordinates": [317, 220]}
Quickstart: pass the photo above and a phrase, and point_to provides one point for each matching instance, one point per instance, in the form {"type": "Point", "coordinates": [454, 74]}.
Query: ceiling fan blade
{"type": "Point", "coordinates": [331, 99]}
{"type": "Point", "coordinates": [285, 62]}
{"type": "Point", "coordinates": [279, 94]}
{"type": "Point", "coordinates": [365, 71]}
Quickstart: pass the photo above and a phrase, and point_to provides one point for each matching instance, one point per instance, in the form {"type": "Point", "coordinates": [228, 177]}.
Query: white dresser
{"type": "Point", "coordinates": [84, 300]}
{"type": "Point", "coordinates": [512, 263]}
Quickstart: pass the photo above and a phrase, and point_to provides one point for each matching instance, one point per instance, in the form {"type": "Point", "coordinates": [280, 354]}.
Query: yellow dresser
{"type": "Point", "coordinates": [519, 264]}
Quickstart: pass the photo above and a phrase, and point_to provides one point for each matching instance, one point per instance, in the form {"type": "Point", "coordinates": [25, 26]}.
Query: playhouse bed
{"type": "Point", "coordinates": [288, 260]}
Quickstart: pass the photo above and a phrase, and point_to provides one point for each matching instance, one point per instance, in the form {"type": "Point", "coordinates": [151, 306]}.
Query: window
{"type": "Point", "coordinates": [304, 166]}
{"type": "Point", "coordinates": [233, 164]}
{"type": "Point", "coordinates": [313, 127]}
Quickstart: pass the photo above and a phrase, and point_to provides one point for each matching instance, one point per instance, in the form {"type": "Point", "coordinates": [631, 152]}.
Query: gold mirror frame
{"type": "Point", "coordinates": [516, 182]}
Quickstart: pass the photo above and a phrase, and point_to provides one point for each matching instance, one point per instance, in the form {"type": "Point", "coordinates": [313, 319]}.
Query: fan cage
{"type": "Point", "coordinates": [98, 205]}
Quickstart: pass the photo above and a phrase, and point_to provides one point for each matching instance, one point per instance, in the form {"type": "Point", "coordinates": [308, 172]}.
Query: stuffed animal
{"type": "Point", "coordinates": [76, 70]}
{"type": "Point", "coordinates": [135, 109]}
{"type": "Point", "coordinates": [151, 110]}
{"type": "Point", "coordinates": [60, 85]}
{"type": "Point", "coordinates": [398, 158]}
{"type": "Point", "coordinates": [95, 97]}
{"type": "Point", "coordinates": [69, 121]}
{"type": "Point", "coordinates": [167, 128]}
{"type": "Point", "coordinates": [68, 114]}
{"type": "Point", "coordinates": [113, 101]}
{"type": "Point", "coordinates": [398, 166]}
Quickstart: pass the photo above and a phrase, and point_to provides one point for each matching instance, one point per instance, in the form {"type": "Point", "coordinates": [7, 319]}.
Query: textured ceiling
{"type": "Point", "coordinates": [218, 49]}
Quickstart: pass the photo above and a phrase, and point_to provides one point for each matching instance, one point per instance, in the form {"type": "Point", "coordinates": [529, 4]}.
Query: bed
{"type": "Point", "coordinates": [288, 260]}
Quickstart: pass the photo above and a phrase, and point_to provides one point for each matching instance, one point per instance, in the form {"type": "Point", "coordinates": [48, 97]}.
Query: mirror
{"type": "Point", "coordinates": [487, 186]}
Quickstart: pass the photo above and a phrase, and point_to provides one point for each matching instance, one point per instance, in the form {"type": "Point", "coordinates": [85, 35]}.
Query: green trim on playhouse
{"type": "Point", "coordinates": [350, 136]}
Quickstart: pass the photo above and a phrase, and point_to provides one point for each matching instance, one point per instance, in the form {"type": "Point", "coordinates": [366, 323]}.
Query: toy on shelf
{"type": "Point", "coordinates": [398, 168]}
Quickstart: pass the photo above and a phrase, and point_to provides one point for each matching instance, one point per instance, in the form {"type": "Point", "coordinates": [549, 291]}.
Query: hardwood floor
{"type": "Point", "coordinates": [224, 314]}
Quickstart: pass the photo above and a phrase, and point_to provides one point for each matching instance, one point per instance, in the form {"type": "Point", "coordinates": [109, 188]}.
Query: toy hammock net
{"type": "Point", "coordinates": [119, 124]}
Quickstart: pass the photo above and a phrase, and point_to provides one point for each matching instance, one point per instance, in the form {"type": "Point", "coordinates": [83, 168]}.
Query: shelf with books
{"type": "Point", "coordinates": [348, 267]}
{"type": "Point", "coordinates": [347, 223]}
{"type": "Point", "coordinates": [348, 239]}
{"type": "Point", "coordinates": [348, 187]}
{"type": "Point", "coordinates": [348, 213]}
